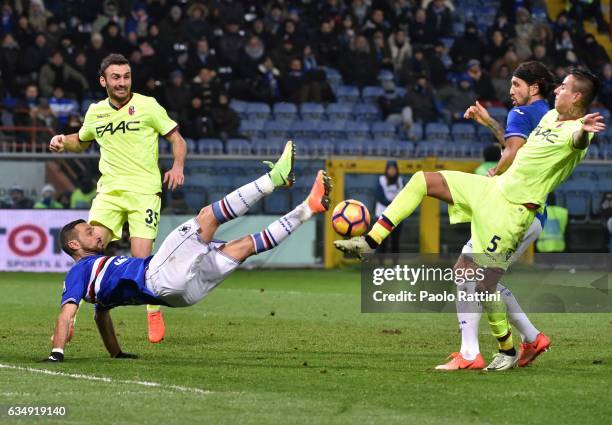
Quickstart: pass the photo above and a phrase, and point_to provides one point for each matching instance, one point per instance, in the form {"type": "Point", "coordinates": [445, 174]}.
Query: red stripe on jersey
{"type": "Point", "coordinates": [92, 291]}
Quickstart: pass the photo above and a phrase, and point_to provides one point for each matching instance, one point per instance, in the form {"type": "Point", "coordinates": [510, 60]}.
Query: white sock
{"type": "Point", "coordinates": [239, 201]}
{"type": "Point", "coordinates": [281, 228]}
{"type": "Point", "coordinates": [517, 316]}
{"type": "Point", "coordinates": [469, 314]}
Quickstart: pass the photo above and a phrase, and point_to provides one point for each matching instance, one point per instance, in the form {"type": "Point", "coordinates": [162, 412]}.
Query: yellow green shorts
{"type": "Point", "coordinates": [113, 209]}
{"type": "Point", "coordinates": [497, 225]}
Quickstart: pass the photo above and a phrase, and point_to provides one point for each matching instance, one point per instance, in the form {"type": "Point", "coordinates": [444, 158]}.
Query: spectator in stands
{"type": "Point", "coordinates": [176, 94]}
{"type": "Point", "coordinates": [394, 107]}
{"type": "Point", "coordinates": [64, 199]}
{"type": "Point", "coordinates": [416, 66]}
{"type": "Point", "coordinates": [172, 26]}
{"type": "Point", "coordinates": [231, 44]}
{"type": "Point", "coordinates": [225, 121]}
{"type": "Point", "coordinates": [327, 44]}
{"type": "Point", "coordinates": [438, 62]}
{"type": "Point", "coordinates": [62, 107]}
{"type": "Point", "coordinates": [35, 56]}
{"type": "Point", "coordinates": [282, 55]}
{"type": "Point", "coordinates": [540, 54]}
{"type": "Point", "coordinates": [439, 19]}
{"type": "Point", "coordinates": [138, 21]}
{"type": "Point", "coordinates": [389, 185]}
{"type": "Point", "coordinates": [258, 28]}
{"type": "Point", "coordinates": [83, 195]}
{"type": "Point", "coordinates": [491, 154]}
{"type": "Point", "coordinates": [359, 66]}
{"type": "Point", "coordinates": [252, 56]}
{"type": "Point", "coordinates": [495, 50]}
{"type": "Point", "coordinates": [177, 205]}
{"type": "Point", "coordinates": [420, 32]}
{"type": "Point", "coordinates": [24, 106]}
{"type": "Point", "coordinates": [95, 52]}
{"type": "Point", "coordinates": [457, 99]}
{"type": "Point", "coordinates": [207, 87]}
{"type": "Point", "coordinates": [202, 56]}
{"type": "Point", "coordinates": [110, 13]}
{"type": "Point", "coordinates": [593, 54]}
{"type": "Point", "coordinates": [53, 33]}
{"type": "Point", "coordinates": [266, 87]}
{"type": "Point", "coordinates": [196, 122]}
{"type": "Point", "coordinates": [47, 198]}
{"type": "Point", "coordinates": [400, 48]}
{"type": "Point", "coordinates": [152, 87]}
{"type": "Point", "coordinates": [8, 18]}
{"type": "Point", "coordinates": [113, 40]}
{"type": "Point", "coordinates": [38, 15]}
{"type": "Point", "coordinates": [197, 28]}
{"type": "Point", "coordinates": [503, 25]}
{"type": "Point", "coordinates": [564, 46]}
{"type": "Point", "coordinates": [582, 10]}
{"type": "Point", "coordinates": [57, 73]}
{"type": "Point", "coordinates": [73, 125]}
{"type": "Point", "coordinates": [18, 198]}
{"type": "Point", "coordinates": [401, 14]}
{"type": "Point", "coordinates": [420, 98]}
{"type": "Point", "coordinates": [376, 23]}
{"type": "Point", "coordinates": [468, 46]}
{"type": "Point", "coordinates": [381, 51]}
{"type": "Point", "coordinates": [524, 30]}
{"type": "Point", "coordinates": [9, 62]}
{"type": "Point", "coordinates": [605, 94]}
{"type": "Point", "coordinates": [347, 32]}
{"type": "Point", "coordinates": [481, 82]}
{"type": "Point", "coordinates": [359, 11]}
{"type": "Point", "coordinates": [42, 116]}
{"type": "Point", "coordinates": [501, 83]}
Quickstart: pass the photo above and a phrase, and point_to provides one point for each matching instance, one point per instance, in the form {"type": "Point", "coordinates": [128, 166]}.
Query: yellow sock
{"type": "Point", "coordinates": [402, 206]}
{"type": "Point", "coordinates": [498, 322]}
{"type": "Point", "coordinates": [152, 308]}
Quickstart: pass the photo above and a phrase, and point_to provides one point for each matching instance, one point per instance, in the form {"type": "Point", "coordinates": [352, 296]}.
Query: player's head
{"type": "Point", "coordinates": [79, 239]}
{"type": "Point", "coordinates": [116, 77]}
{"type": "Point", "coordinates": [531, 81]}
{"type": "Point", "coordinates": [576, 92]}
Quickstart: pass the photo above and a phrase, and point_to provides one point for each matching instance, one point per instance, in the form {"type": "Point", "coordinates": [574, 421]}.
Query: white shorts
{"type": "Point", "coordinates": [532, 234]}
{"type": "Point", "coordinates": [185, 268]}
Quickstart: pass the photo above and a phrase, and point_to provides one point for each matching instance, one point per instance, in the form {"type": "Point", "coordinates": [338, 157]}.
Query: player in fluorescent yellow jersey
{"type": "Point", "coordinates": [502, 208]}
{"type": "Point", "coordinates": [127, 126]}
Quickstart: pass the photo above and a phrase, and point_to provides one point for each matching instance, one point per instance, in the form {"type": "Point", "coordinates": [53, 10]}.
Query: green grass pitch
{"type": "Point", "coordinates": [285, 347]}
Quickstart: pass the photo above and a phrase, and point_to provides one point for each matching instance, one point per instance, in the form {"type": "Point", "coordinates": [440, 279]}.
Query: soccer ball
{"type": "Point", "coordinates": [350, 218]}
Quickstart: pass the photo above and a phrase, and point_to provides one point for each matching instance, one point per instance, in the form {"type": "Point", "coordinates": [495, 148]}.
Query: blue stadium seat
{"type": "Point", "coordinates": [430, 148]}
{"type": "Point", "coordinates": [277, 129]}
{"type": "Point", "coordinates": [386, 75]}
{"type": "Point", "coordinates": [268, 148]}
{"type": "Point", "coordinates": [339, 111]}
{"type": "Point", "coordinates": [463, 149]}
{"type": "Point", "coordinates": [383, 130]}
{"type": "Point", "coordinates": [238, 147]}
{"type": "Point", "coordinates": [416, 131]}
{"type": "Point", "coordinates": [192, 147]}
{"type": "Point", "coordinates": [463, 131]}
{"type": "Point", "coordinates": [163, 144]}
{"type": "Point", "coordinates": [257, 111]}
{"type": "Point", "coordinates": [285, 111]}
{"type": "Point", "coordinates": [593, 152]}
{"type": "Point", "coordinates": [498, 113]}
{"type": "Point", "coordinates": [606, 152]}
{"type": "Point", "coordinates": [348, 94]}
{"type": "Point", "coordinates": [381, 147]}
{"type": "Point", "coordinates": [252, 128]}
{"type": "Point", "coordinates": [437, 131]}
{"type": "Point", "coordinates": [402, 149]}
{"type": "Point", "coordinates": [365, 112]}
{"type": "Point", "coordinates": [483, 134]}
{"type": "Point", "coordinates": [332, 130]}
{"type": "Point", "coordinates": [370, 94]}
{"type": "Point", "coordinates": [239, 106]}
{"type": "Point", "coordinates": [195, 196]}
{"type": "Point", "coordinates": [312, 111]}
{"type": "Point", "coordinates": [210, 146]}
{"type": "Point", "coordinates": [85, 105]}
{"type": "Point", "coordinates": [600, 187]}
{"type": "Point", "coordinates": [349, 147]}
{"type": "Point", "coordinates": [215, 193]}
{"type": "Point", "coordinates": [305, 129]}
{"type": "Point", "coordinates": [279, 202]}
{"type": "Point", "coordinates": [333, 76]}
{"type": "Point", "coordinates": [357, 130]}
{"type": "Point", "coordinates": [321, 148]}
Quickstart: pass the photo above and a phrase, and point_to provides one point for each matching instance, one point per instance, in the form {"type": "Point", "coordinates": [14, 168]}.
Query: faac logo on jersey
{"type": "Point", "coordinates": [122, 126]}
{"type": "Point", "coordinates": [546, 134]}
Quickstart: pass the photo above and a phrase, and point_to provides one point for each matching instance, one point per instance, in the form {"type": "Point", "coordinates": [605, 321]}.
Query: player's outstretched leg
{"type": "Point", "coordinates": [239, 201]}
{"type": "Point", "coordinates": [316, 202]}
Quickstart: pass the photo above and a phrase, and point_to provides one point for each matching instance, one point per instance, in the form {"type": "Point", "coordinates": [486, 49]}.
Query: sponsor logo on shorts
{"type": "Point", "coordinates": [184, 229]}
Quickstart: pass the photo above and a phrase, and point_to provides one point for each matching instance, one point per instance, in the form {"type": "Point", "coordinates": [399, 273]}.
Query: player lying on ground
{"type": "Point", "coordinates": [530, 86]}
{"type": "Point", "coordinates": [502, 208]}
{"type": "Point", "coordinates": [189, 263]}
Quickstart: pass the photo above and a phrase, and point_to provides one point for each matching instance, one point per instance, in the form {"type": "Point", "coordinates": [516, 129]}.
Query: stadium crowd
{"type": "Point", "coordinates": [195, 56]}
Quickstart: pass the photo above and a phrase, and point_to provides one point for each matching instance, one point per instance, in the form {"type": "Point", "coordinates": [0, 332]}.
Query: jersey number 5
{"type": "Point", "coordinates": [152, 217]}
{"type": "Point", "coordinates": [493, 243]}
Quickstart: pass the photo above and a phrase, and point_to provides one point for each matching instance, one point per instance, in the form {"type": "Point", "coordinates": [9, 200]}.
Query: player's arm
{"type": "Point", "coordinates": [513, 144]}
{"type": "Point", "coordinates": [479, 113]}
{"type": "Point", "coordinates": [68, 143]}
{"type": "Point", "coordinates": [591, 123]}
{"type": "Point", "coordinates": [107, 333]}
{"type": "Point", "coordinates": [62, 331]}
{"type": "Point", "coordinates": [174, 177]}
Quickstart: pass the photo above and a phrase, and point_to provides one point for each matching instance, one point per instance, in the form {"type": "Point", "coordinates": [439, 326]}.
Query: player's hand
{"type": "Point", "coordinates": [54, 357]}
{"type": "Point", "coordinates": [122, 355]}
{"type": "Point", "coordinates": [593, 123]}
{"type": "Point", "coordinates": [174, 177]}
{"type": "Point", "coordinates": [57, 143]}
{"type": "Point", "coordinates": [492, 171]}
{"type": "Point", "coordinates": [478, 113]}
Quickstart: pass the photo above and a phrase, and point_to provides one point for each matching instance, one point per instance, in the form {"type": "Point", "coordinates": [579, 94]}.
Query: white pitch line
{"type": "Point", "coordinates": [106, 379]}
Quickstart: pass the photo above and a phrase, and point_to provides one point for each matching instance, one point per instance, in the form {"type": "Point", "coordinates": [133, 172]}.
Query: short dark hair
{"type": "Point", "coordinates": [588, 84]}
{"type": "Point", "coordinates": [67, 234]}
{"type": "Point", "coordinates": [112, 59]}
{"type": "Point", "coordinates": [534, 72]}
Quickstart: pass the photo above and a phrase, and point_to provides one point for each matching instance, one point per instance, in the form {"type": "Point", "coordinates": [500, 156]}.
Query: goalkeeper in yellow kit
{"type": "Point", "coordinates": [502, 208]}
{"type": "Point", "coordinates": [126, 126]}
